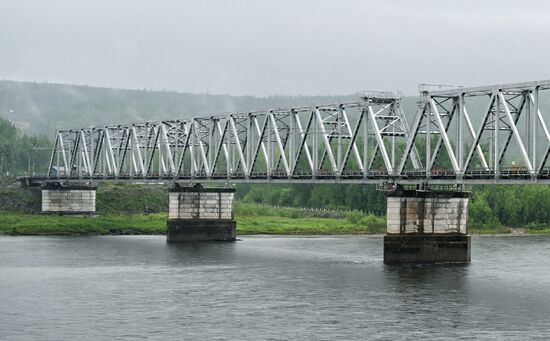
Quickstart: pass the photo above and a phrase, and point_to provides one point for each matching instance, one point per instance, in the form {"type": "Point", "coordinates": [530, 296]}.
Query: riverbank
{"type": "Point", "coordinates": [121, 210]}
{"type": "Point", "coordinates": [251, 219]}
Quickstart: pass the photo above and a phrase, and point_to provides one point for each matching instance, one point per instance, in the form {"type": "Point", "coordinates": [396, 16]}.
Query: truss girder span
{"type": "Point", "coordinates": [480, 135]}
{"type": "Point", "coordinates": [359, 139]}
{"type": "Point", "coordinates": [483, 132]}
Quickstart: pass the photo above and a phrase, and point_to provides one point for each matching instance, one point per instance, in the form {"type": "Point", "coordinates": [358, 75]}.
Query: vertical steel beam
{"type": "Point", "coordinates": [496, 125]}
{"type": "Point", "coordinates": [365, 113]}
{"type": "Point", "coordinates": [339, 121]}
{"type": "Point", "coordinates": [292, 138]}
{"type": "Point", "coordinates": [535, 98]}
{"type": "Point", "coordinates": [315, 144]}
{"type": "Point", "coordinates": [460, 133]}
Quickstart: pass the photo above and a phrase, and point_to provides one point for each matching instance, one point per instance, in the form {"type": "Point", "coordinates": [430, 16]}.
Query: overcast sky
{"type": "Point", "coordinates": [274, 47]}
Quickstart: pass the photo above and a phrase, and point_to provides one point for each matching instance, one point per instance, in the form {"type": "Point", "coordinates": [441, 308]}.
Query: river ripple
{"type": "Point", "coordinates": [268, 288]}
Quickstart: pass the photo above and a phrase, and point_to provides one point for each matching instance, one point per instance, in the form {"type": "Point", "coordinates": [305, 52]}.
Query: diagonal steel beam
{"type": "Point", "coordinates": [482, 127]}
{"type": "Point", "coordinates": [420, 114]}
{"type": "Point", "coordinates": [380, 142]}
{"type": "Point", "coordinates": [473, 134]}
{"type": "Point", "coordinates": [516, 133]}
{"type": "Point", "coordinates": [303, 144]}
{"type": "Point", "coordinates": [246, 170]}
{"type": "Point", "coordinates": [325, 139]}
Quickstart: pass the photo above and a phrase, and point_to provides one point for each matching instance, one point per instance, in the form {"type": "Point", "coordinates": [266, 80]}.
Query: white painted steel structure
{"type": "Point", "coordinates": [297, 143]}
{"type": "Point", "coordinates": [365, 141]}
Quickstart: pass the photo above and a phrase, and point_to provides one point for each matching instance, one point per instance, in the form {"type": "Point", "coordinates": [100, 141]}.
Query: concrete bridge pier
{"type": "Point", "coordinates": [425, 226]}
{"type": "Point", "coordinates": [68, 199]}
{"type": "Point", "coordinates": [201, 214]}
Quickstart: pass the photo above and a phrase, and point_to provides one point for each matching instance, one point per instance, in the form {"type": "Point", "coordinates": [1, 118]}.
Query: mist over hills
{"type": "Point", "coordinates": [41, 108]}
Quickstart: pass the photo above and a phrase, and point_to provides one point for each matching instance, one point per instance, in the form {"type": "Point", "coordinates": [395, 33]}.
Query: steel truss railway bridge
{"type": "Point", "coordinates": [477, 135]}
{"type": "Point", "coordinates": [460, 135]}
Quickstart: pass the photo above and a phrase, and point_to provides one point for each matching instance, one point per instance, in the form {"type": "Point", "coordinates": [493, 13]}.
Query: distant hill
{"type": "Point", "coordinates": [41, 108]}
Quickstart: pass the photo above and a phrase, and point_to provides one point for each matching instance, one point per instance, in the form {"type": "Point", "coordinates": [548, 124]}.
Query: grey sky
{"type": "Point", "coordinates": [274, 47]}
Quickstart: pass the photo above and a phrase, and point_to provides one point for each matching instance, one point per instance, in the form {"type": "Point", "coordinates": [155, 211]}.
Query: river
{"type": "Point", "coordinates": [272, 288]}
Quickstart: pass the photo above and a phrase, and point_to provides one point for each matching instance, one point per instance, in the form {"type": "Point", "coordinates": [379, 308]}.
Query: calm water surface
{"type": "Point", "coordinates": [129, 287]}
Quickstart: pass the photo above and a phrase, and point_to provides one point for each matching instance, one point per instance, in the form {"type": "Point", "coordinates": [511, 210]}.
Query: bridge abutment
{"type": "Point", "coordinates": [201, 214]}
{"type": "Point", "coordinates": [425, 226]}
{"type": "Point", "coordinates": [71, 199]}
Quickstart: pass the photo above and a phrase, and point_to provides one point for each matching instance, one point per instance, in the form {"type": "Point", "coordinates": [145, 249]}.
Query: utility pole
{"type": "Point", "coordinates": [1, 161]}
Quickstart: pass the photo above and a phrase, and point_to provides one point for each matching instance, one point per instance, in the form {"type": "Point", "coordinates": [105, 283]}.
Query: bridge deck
{"type": "Point", "coordinates": [510, 176]}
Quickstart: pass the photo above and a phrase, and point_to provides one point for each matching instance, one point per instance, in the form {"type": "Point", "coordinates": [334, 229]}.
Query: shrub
{"type": "Point", "coordinates": [354, 217]}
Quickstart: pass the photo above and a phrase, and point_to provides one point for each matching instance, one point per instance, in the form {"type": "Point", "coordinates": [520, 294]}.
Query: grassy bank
{"type": "Point", "coordinates": [258, 219]}
{"type": "Point", "coordinates": [251, 219]}
{"type": "Point", "coordinates": [121, 210]}
{"type": "Point", "coordinates": [14, 223]}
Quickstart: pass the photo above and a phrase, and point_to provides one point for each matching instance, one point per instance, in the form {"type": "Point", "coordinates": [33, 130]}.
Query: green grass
{"type": "Point", "coordinates": [257, 219]}
{"type": "Point", "coordinates": [13, 223]}
{"type": "Point", "coordinates": [492, 230]}
{"type": "Point", "coordinates": [545, 231]}
{"type": "Point", "coordinates": [251, 219]}
{"type": "Point", "coordinates": [302, 226]}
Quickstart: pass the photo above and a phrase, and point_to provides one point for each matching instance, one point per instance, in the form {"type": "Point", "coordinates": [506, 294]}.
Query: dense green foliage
{"type": "Point", "coordinates": [131, 199]}
{"type": "Point", "coordinates": [19, 153]}
{"type": "Point", "coordinates": [519, 205]}
{"type": "Point", "coordinates": [330, 196]}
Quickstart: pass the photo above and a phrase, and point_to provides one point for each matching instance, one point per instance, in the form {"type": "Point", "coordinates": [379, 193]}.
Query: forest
{"type": "Point", "coordinates": [21, 154]}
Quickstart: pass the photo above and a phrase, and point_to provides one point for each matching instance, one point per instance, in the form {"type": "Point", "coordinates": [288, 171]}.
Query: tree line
{"type": "Point", "coordinates": [21, 154]}
{"type": "Point", "coordinates": [489, 206]}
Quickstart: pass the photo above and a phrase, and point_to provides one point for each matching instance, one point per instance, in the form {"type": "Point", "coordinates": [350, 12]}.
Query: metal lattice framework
{"type": "Point", "coordinates": [478, 135]}
{"type": "Point", "coordinates": [342, 141]}
{"type": "Point", "coordinates": [508, 121]}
